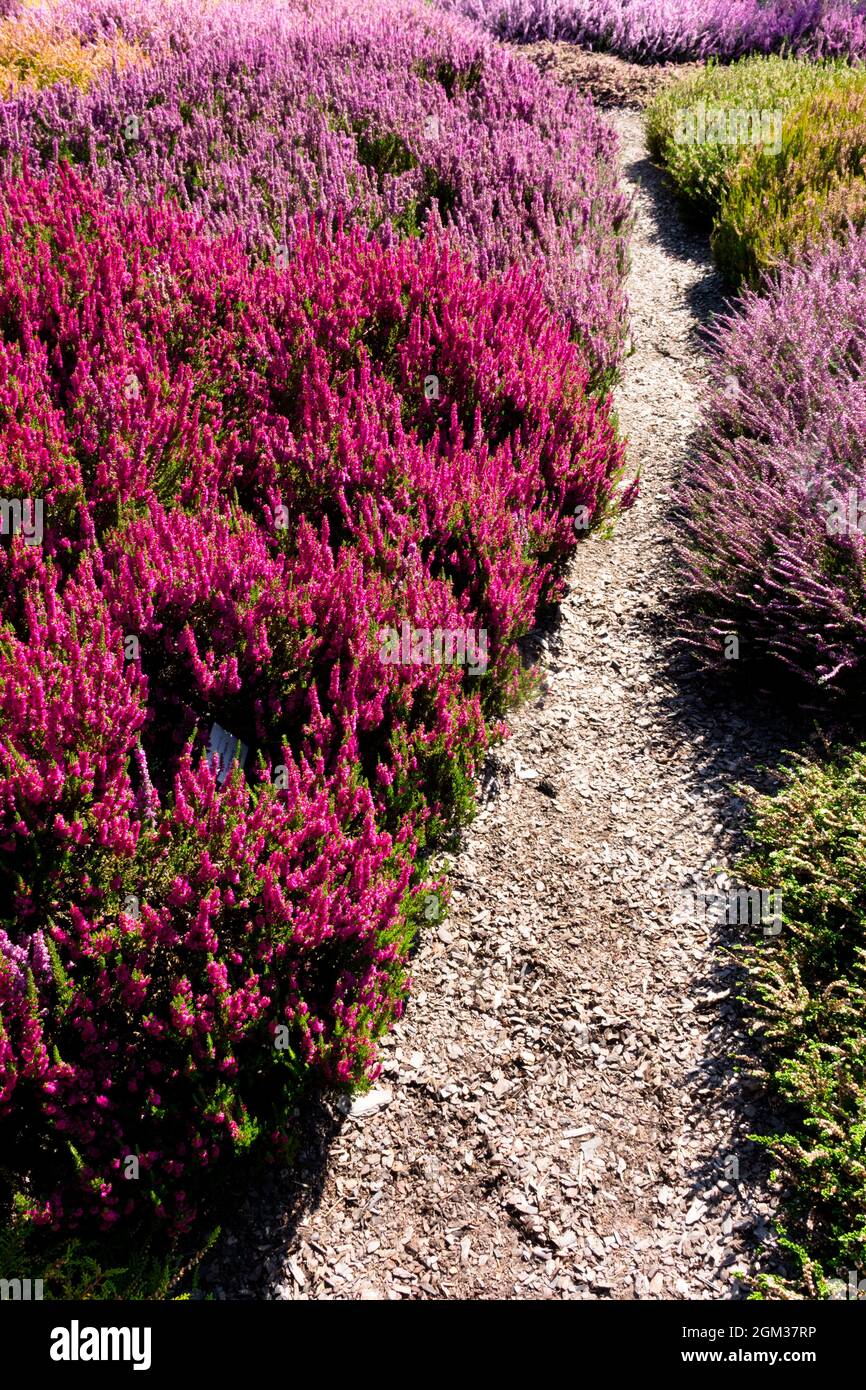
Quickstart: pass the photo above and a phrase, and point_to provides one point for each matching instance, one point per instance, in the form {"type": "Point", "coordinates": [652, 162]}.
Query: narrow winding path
{"type": "Point", "coordinates": [564, 1120]}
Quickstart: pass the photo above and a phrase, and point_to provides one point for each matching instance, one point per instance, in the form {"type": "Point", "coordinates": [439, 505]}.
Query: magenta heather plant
{"type": "Point", "coordinates": [774, 504]}
{"type": "Point", "coordinates": [657, 30]}
{"type": "Point", "coordinates": [253, 915]}
{"type": "Point", "coordinates": [245, 481]}
{"type": "Point", "coordinates": [397, 118]}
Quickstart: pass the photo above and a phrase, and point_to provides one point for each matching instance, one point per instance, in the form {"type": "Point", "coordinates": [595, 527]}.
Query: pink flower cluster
{"type": "Point", "coordinates": [245, 479]}
{"type": "Point", "coordinates": [654, 30]}
{"type": "Point", "coordinates": [773, 504]}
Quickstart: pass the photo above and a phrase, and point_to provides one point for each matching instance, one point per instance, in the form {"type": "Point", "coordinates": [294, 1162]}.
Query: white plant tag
{"type": "Point", "coordinates": [222, 750]}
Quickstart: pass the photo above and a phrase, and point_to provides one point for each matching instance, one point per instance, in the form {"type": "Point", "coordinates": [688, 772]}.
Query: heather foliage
{"type": "Point", "coordinates": [701, 169]}
{"type": "Point", "coordinates": [652, 30]}
{"type": "Point", "coordinates": [32, 56]}
{"type": "Point", "coordinates": [244, 480]}
{"type": "Point", "coordinates": [807, 993]}
{"type": "Point", "coordinates": [767, 200]}
{"type": "Point", "coordinates": [776, 206]}
{"type": "Point", "coordinates": [401, 120]}
{"type": "Point", "coordinates": [774, 523]}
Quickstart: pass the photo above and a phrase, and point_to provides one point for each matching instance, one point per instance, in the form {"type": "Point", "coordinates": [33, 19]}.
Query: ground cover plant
{"type": "Point", "coordinates": [777, 206]}
{"type": "Point", "coordinates": [806, 995]}
{"type": "Point", "coordinates": [654, 30]}
{"type": "Point", "coordinates": [701, 168]}
{"type": "Point", "coordinates": [243, 481]}
{"type": "Point", "coordinates": [769, 150]}
{"type": "Point", "coordinates": [770, 504]}
{"type": "Point", "coordinates": [773, 499]}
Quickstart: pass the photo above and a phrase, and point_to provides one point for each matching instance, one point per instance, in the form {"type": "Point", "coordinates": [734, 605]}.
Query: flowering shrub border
{"type": "Point", "coordinates": [402, 120]}
{"type": "Point", "coordinates": [245, 482]}
{"type": "Point", "coordinates": [657, 30]}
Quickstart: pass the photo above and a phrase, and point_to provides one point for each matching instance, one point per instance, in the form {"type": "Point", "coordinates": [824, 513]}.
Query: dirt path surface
{"type": "Point", "coordinates": [560, 1117]}
{"type": "Point", "coordinates": [611, 81]}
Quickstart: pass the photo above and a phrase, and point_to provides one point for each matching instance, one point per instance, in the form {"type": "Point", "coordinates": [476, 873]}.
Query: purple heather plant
{"type": "Point", "coordinates": [774, 503]}
{"type": "Point", "coordinates": [656, 30]}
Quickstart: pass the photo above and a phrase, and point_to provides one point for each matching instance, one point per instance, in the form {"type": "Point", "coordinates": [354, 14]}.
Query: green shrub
{"type": "Point", "coordinates": [108, 1269]}
{"type": "Point", "coordinates": [764, 84]}
{"type": "Point", "coordinates": [807, 995]}
{"type": "Point", "coordinates": [765, 200]}
{"type": "Point", "coordinates": [813, 189]}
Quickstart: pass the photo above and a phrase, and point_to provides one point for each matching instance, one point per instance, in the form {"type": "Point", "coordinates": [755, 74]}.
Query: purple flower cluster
{"type": "Point", "coordinates": [774, 505]}
{"type": "Point", "coordinates": [657, 30]}
{"type": "Point", "coordinates": [398, 118]}
{"type": "Point", "coordinates": [245, 479]}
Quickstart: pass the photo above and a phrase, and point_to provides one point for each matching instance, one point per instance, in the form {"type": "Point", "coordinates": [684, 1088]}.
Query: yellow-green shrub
{"type": "Point", "coordinates": [33, 55]}
{"type": "Point", "coordinates": [774, 205]}
{"type": "Point", "coordinates": [773, 83]}
{"type": "Point", "coordinates": [767, 201]}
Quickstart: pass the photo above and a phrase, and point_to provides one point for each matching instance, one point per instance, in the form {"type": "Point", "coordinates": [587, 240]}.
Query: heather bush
{"type": "Point", "coordinates": [774, 185]}
{"type": "Point", "coordinates": [807, 995]}
{"type": "Point", "coordinates": [814, 188]}
{"type": "Point", "coordinates": [772, 501]}
{"type": "Point", "coordinates": [700, 168]}
{"type": "Point", "coordinates": [150, 22]}
{"type": "Point", "coordinates": [401, 120]}
{"type": "Point", "coordinates": [35, 55]}
{"type": "Point", "coordinates": [245, 480]}
{"type": "Point", "coordinates": [653, 30]}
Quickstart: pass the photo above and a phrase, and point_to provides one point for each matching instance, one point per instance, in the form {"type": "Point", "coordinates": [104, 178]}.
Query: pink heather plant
{"type": "Point", "coordinates": [654, 30]}
{"type": "Point", "coordinates": [245, 482]}
{"type": "Point", "coordinates": [774, 505]}
{"type": "Point", "coordinates": [390, 116]}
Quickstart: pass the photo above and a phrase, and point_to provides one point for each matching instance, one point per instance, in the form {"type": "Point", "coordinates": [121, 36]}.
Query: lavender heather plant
{"type": "Point", "coordinates": [772, 505]}
{"type": "Point", "coordinates": [654, 30]}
